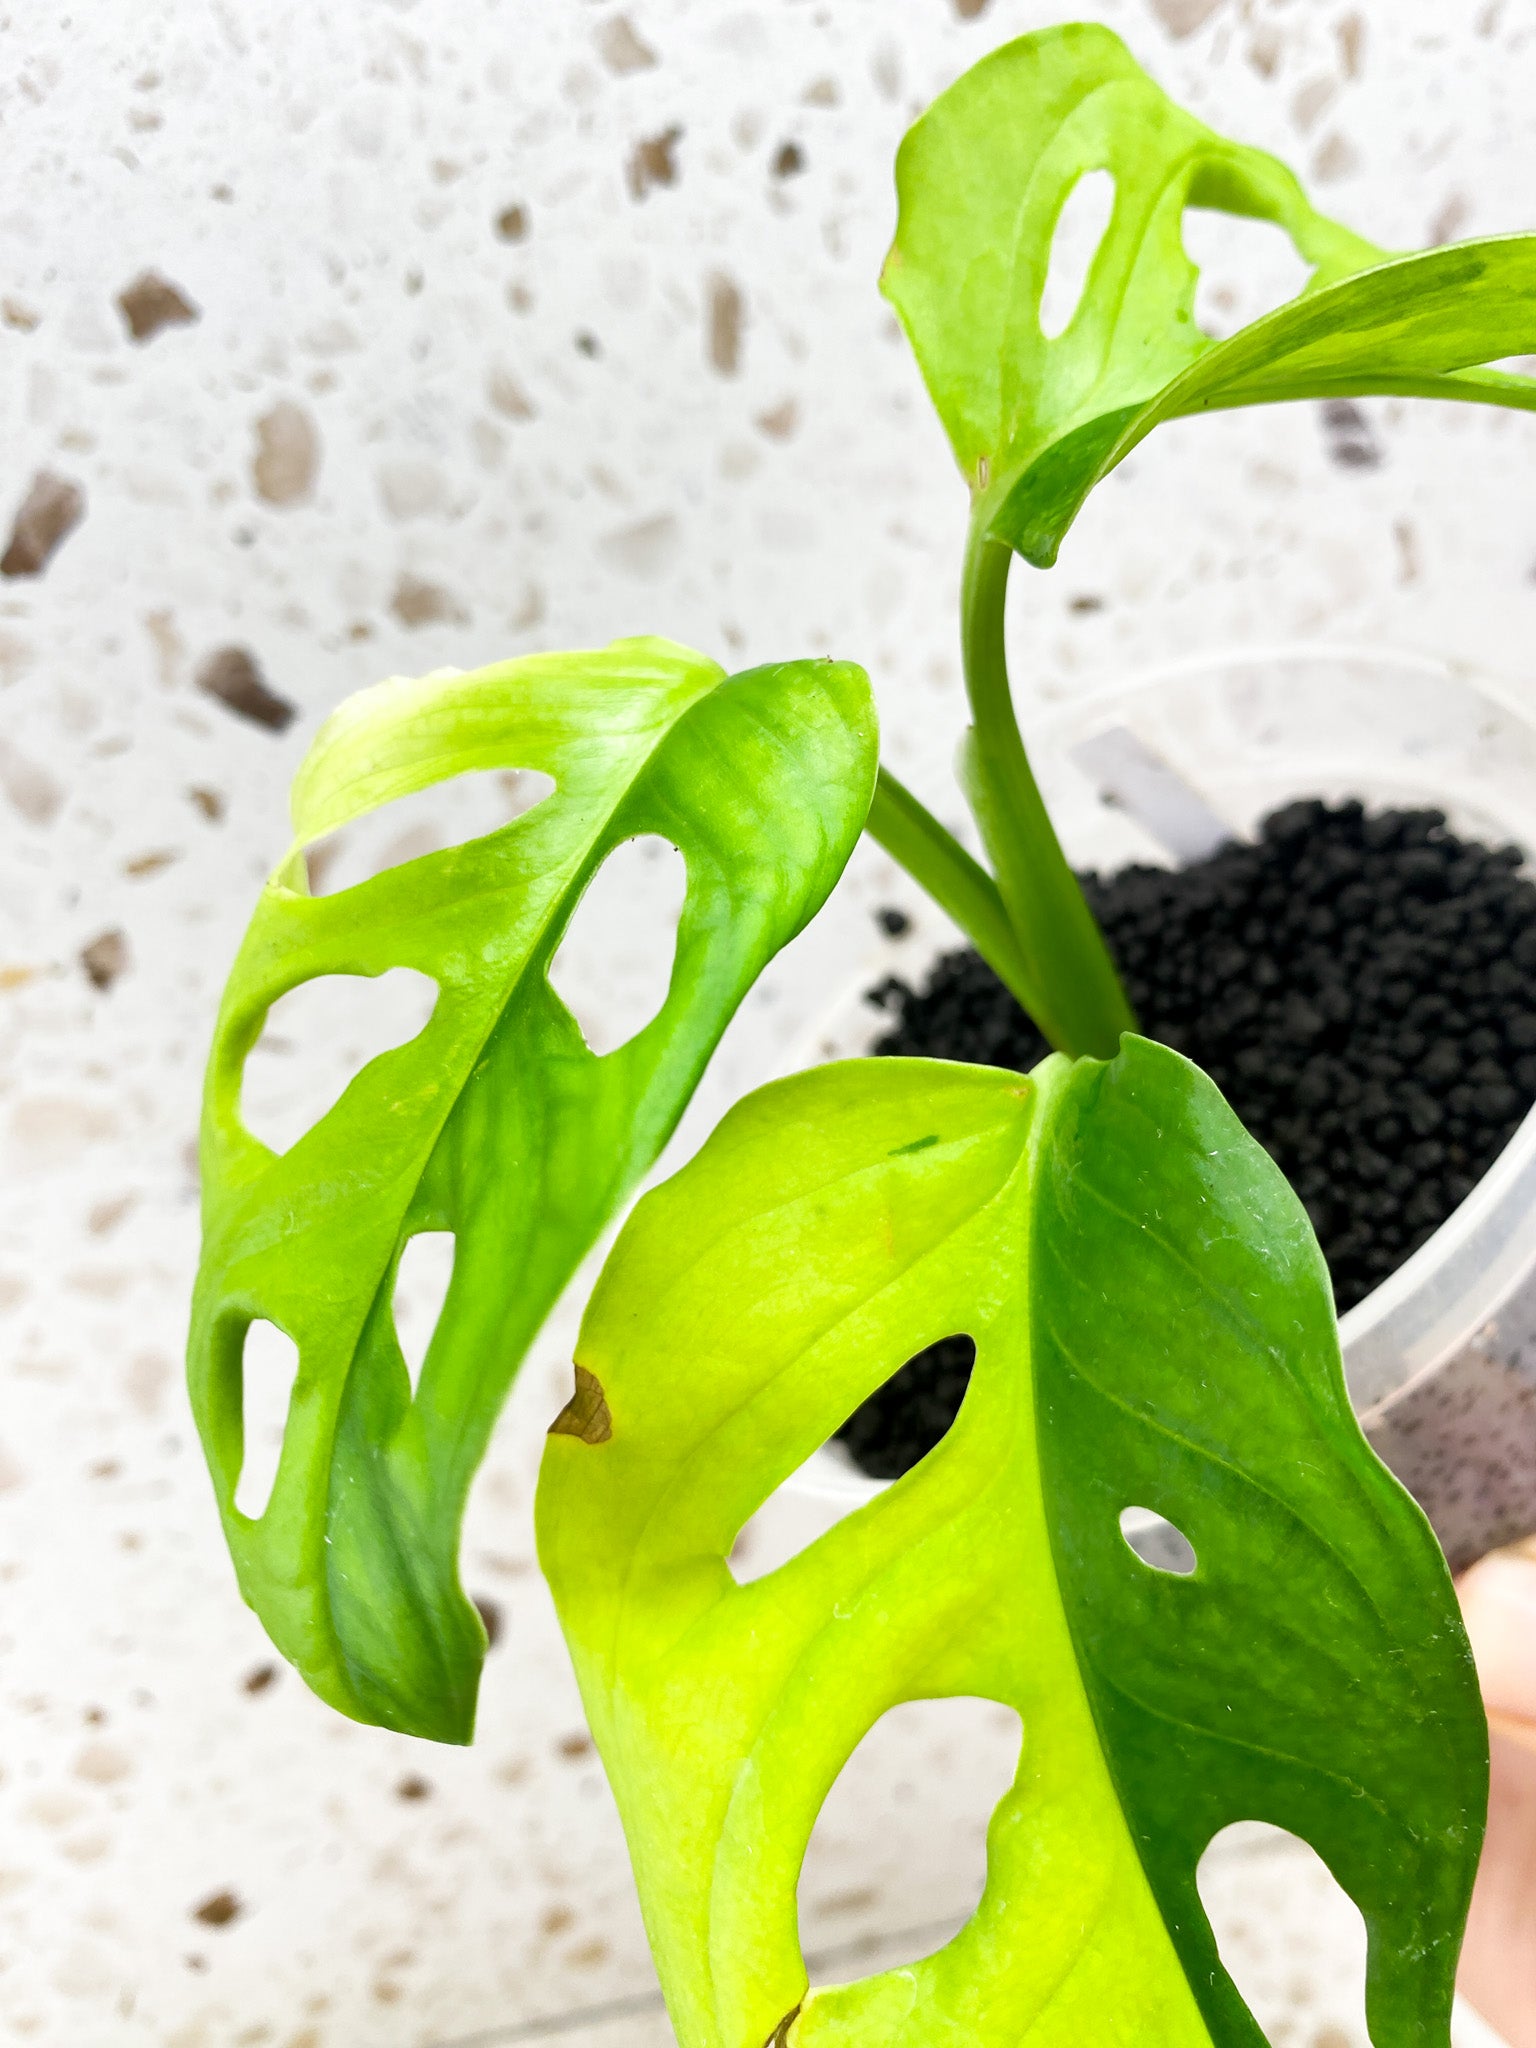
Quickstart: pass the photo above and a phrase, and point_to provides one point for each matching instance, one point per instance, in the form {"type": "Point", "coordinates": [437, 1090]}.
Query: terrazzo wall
{"type": "Point", "coordinates": [341, 342]}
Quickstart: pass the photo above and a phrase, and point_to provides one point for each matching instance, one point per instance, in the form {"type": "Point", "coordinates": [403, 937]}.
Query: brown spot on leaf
{"type": "Point", "coordinates": [414, 1787]}
{"type": "Point", "coordinates": [653, 161]}
{"type": "Point", "coordinates": [218, 1910]}
{"type": "Point", "coordinates": [152, 302]}
{"type": "Point", "coordinates": [726, 316]}
{"type": "Point", "coordinates": [287, 454]}
{"type": "Point", "coordinates": [259, 1678]}
{"type": "Point", "coordinates": [489, 1612]}
{"type": "Point", "coordinates": [416, 602]}
{"type": "Point", "coordinates": [788, 160]}
{"type": "Point", "coordinates": [105, 958]}
{"type": "Point", "coordinates": [622, 49]}
{"type": "Point", "coordinates": [231, 675]}
{"type": "Point", "coordinates": [586, 1414]}
{"type": "Point", "coordinates": [50, 511]}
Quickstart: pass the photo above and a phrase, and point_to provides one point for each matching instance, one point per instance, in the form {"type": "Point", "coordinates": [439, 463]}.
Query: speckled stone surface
{"type": "Point", "coordinates": [342, 342]}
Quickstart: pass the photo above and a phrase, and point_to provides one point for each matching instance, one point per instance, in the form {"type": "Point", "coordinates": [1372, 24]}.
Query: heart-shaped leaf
{"type": "Point", "coordinates": [1035, 422]}
{"type": "Point", "coordinates": [496, 1123]}
{"type": "Point", "coordinates": [1153, 1327]}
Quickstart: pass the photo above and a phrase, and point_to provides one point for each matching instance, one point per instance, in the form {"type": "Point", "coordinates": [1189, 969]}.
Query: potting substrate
{"type": "Point", "coordinates": [1360, 985]}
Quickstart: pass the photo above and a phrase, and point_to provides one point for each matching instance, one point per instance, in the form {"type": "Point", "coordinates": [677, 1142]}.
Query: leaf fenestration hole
{"type": "Point", "coordinates": [421, 1288]}
{"type": "Point", "coordinates": [613, 966]}
{"type": "Point", "coordinates": [1159, 1543]}
{"type": "Point", "coordinates": [1080, 228]}
{"type": "Point", "coordinates": [894, 1430]}
{"type": "Point", "coordinates": [1291, 1938]}
{"type": "Point", "coordinates": [318, 1038]}
{"type": "Point", "coordinates": [903, 1420]}
{"type": "Point", "coordinates": [444, 814]}
{"type": "Point", "coordinates": [1247, 268]}
{"type": "Point", "coordinates": [901, 1838]}
{"type": "Point", "coordinates": [269, 1365]}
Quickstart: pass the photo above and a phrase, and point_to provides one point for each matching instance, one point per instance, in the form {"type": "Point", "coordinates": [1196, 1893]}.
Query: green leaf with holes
{"type": "Point", "coordinates": [496, 1123]}
{"type": "Point", "coordinates": [1036, 422]}
{"type": "Point", "coordinates": [1154, 1327]}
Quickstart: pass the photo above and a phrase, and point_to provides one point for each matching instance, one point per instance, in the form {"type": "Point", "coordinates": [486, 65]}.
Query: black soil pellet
{"type": "Point", "coordinates": [1360, 986]}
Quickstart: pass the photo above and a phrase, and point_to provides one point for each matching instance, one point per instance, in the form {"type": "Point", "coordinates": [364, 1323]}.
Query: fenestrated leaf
{"type": "Point", "coordinates": [1153, 1327]}
{"type": "Point", "coordinates": [982, 179]}
{"type": "Point", "coordinates": [496, 1123]}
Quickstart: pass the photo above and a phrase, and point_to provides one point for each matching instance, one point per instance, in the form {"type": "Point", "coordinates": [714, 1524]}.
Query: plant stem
{"type": "Point", "coordinates": [1079, 1003]}
{"type": "Point", "coordinates": [935, 859]}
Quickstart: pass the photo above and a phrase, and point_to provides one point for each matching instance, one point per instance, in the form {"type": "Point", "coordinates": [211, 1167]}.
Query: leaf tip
{"type": "Point", "coordinates": [586, 1415]}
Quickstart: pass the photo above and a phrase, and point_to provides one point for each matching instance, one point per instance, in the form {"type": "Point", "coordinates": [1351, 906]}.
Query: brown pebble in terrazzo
{"type": "Point", "coordinates": [726, 315]}
{"type": "Point", "coordinates": [287, 454]}
{"type": "Point", "coordinates": [413, 1787]}
{"type": "Point", "coordinates": [105, 1215]}
{"type": "Point", "coordinates": [209, 801]}
{"type": "Point", "coordinates": [1182, 17]}
{"type": "Point", "coordinates": [417, 602]}
{"type": "Point", "coordinates": [152, 302]}
{"type": "Point", "coordinates": [788, 160]}
{"type": "Point", "coordinates": [48, 514]}
{"type": "Point", "coordinates": [576, 1746]}
{"type": "Point", "coordinates": [143, 864]}
{"type": "Point", "coordinates": [259, 1678]}
{"type": "Point", "coordinates": [219, 1909]}
{"type": "Point", "coordinates": [104, 959]}
{"type": "Point", "coordinates": [653, 161]}
{"type": "Point", "coordinates": [231, 675]}
{"type": "Point", "coordinates": [29, 788]}
{"type": "Point", "coordinates": [512, 223]}
{"type": "Point", "coordinates": [780, 421]}
{"type": "Point", "coordinates": [589, 1954]}
{"type": "Point", "coordinates": [556, 1920]}
{"type": "Point", "coordinates": [489, 1612]}
{"type": "Point", "coordinates": [1351, 443]}
{"type": "Point", "coordinates": [20, 317]}
{"type": "Point", "coordinates": [622, 49]}
{"type": "Point", "coordinates": [507, 396]}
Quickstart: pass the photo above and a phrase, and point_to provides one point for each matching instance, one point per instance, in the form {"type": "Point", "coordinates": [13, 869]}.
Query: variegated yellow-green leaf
{"type": "Point", "coordinates": [1153, 1327]}
{"type": "Point", "coordinates": [496, 1123]}
{"type": "Point", "coordinates": [1035, 422]}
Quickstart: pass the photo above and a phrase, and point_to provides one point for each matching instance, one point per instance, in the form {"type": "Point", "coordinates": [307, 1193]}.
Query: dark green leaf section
{"type": "Point", "coordinates": [1312, 1672]}
{"type": "Point", "coordinates": [1153, 1328]}
{"type": "Point", "coordinates": [1035, 422]}
{"type": "Point", "coordinates": [497, 1123]}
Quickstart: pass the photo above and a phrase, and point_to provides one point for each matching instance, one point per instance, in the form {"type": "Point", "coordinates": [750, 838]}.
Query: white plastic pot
{"type": "Point", "coordinates": [1441, 1358]}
